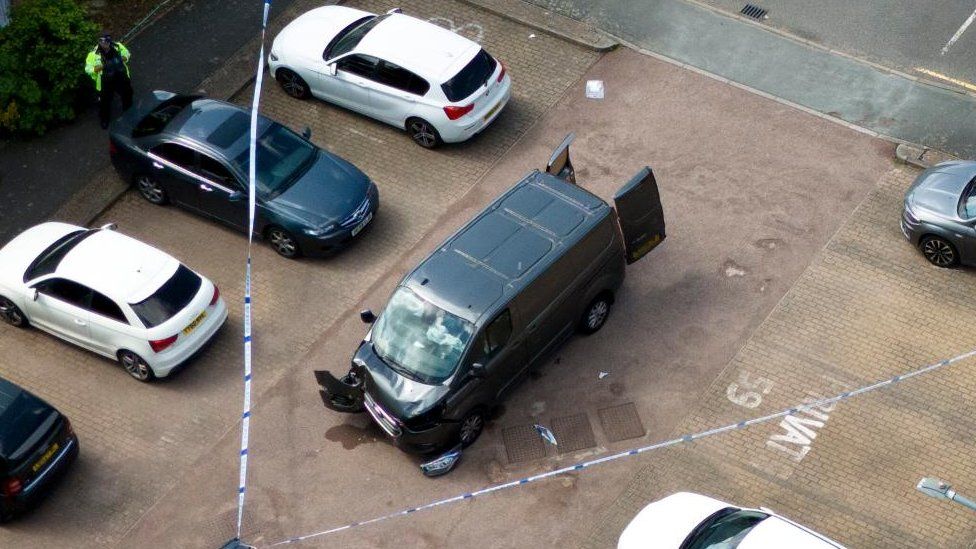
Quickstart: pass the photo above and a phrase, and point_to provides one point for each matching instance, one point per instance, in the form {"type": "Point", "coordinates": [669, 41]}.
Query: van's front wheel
{"type": "Point", "coordinates": [596, 313]}
{"type": "Point", "coordinates": [471, 427]}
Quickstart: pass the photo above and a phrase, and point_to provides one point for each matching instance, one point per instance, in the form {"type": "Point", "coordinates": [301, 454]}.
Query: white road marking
{"type": "Point", "coordinates": [962, 29]}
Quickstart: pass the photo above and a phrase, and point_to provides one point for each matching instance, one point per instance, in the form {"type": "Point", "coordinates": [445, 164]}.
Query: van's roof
{"type": "Point", "coordinates": [507, 245]}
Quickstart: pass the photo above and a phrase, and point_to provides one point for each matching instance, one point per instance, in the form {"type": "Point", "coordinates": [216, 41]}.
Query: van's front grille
{"type": "Point", "coordinates": [383, 418]}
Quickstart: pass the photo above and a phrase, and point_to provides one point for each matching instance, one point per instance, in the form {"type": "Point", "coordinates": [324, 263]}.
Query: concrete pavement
{"type": "Point", "coordinates": [812, 77]}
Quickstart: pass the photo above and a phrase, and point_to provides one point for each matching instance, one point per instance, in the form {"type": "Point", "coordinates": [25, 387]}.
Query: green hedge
{"type": "Point", "coordinates": [42, 65]}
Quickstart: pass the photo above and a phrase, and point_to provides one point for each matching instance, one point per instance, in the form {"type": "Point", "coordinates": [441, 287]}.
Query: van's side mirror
{"type": "Point", "coordinates": [478, 370]}
{"type": "Point", "coordinates": [332, 69]}
{"type": "Point", "coordinates": [367, 316]}
{"type": "Point", "coordinates": [235, 196]}
{"type": "Point", "coordinates": [307, 133]}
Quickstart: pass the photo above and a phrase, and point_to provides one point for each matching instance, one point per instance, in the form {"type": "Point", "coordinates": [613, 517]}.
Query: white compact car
{"type": "Point", "coordinates": [108, 293]}
{"type": "Point", "coordinates": [415, 75]}
{"type": "Point", "coordinates": [693, 521]}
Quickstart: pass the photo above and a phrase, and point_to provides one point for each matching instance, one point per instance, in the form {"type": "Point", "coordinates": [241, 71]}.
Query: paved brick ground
{"type": "Point", "coordinates": [869, 308]}
{"type": "Point", "coordinates": [138, 440]}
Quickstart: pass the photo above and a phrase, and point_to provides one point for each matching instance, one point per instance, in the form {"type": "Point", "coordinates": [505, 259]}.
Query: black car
{"type": "Point", "coordinates": [37, 445]}
{"type": "Point", "coordinates": [194, 152]}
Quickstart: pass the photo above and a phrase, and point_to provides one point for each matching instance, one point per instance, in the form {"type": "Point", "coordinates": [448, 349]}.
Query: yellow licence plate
{"type": "Point", "coordinates": [196, 322]}
{"type": "Point", "coordinates": [493, 110]}
{"type": "Point", "coordinates": [45, 458]}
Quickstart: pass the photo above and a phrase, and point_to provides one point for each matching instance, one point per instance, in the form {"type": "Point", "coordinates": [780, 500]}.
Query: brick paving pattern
{"type": "Point", "coordinates": [137, 438]}
{"type": "Point", "coordinates": [868, 308]}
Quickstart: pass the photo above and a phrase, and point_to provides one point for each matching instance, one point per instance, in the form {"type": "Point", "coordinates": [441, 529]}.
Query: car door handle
{"type": "Point", "coordinates": [205, 187]}
{"type": "Point", "coordinates": [157, 165]}
{"type": "Point", "coordinates": [80, 322]}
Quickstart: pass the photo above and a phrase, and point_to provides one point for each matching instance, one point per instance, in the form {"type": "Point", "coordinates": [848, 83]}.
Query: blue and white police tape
{"type": "Point", "coordinates": [633, 452]}
{"type": "Point", "coordinates": [246, 415]}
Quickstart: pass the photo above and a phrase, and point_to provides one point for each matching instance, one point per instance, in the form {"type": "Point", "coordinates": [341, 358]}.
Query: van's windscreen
{"type": "Point", "coordinates": [419, 339]}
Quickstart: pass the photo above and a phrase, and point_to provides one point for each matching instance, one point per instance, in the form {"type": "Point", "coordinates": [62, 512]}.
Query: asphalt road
{"type": "Point", "coordinates": [175, 53]}
{"type": "Point", "coordinates": [902, 34]}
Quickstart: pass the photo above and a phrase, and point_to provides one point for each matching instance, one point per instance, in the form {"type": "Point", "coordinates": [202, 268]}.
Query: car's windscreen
{"type": "Point", "coordinates": [159, 117]}
{"type": "Point", "coordinates": [472, 76]}
{"type": "Point", "coordinates": [282, 156]}
{"type": "Point", "coordinates": [47, 261]}
{"type": "Point", "coordinates": [419, 339]}
{"type": "Point", "coordinates": [349, 37]}
{"type": "Point", "coordinates": [724, 530]}
{"type": "Point", "coordinates": [967, 202]}
{"type": "Point", "coordinates": [172, 297]}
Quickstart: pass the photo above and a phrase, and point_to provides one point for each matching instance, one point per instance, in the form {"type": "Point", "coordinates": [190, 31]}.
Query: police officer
{"type": "Point", "coordinates": [108, 65]}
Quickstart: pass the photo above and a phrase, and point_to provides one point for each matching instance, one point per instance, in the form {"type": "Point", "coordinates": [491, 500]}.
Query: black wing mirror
{"type": "Point", "coordinates": [235, 196]}
{"type": "Point", "coordinates": [367, 316]}
{"type": "Point", "coordinates": [307, 133]}
{"type": "Point", "coordinates": [478, 370]}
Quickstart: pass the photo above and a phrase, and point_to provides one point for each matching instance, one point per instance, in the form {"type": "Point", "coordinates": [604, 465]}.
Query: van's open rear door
{"type": "Point", "coordinates": [641, 214]}
{"type": "Point", "coordinates": [559, 164]}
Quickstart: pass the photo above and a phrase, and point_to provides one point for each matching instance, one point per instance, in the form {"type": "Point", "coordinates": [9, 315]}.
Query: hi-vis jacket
{"type": "Point", "coordinates": [94, 59]}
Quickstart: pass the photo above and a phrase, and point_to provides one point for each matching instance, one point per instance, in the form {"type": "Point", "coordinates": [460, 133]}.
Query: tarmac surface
{"type": "Point", "coordinates": [798, 72]}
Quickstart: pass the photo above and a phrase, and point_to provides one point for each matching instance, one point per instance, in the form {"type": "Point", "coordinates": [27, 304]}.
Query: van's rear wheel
{"type": "Point", "coordinates": [471, 427]}
{"type": "Point", "coordinates": [596, 313]}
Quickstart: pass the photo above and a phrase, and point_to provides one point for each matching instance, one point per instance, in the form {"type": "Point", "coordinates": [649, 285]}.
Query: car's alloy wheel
{"type": "Point", "coordinates": [423, 133]}
{"type": "Point", "coordinates": [293, 84]}
{"type": "Point", "coordinates": [135, 366]}
{"type": "Point", "coordinates": [471, 427]}
{"type": "Point", "coordinates": [283, 243]}
{"type": "Point", "coordinates": [939, 252]}
{"type": "Point", "coordinates": [11, 314]}
{"type": "Point", "coordinates": [150, 189]}
{"type": "Point", "coordinates": [595, 315]}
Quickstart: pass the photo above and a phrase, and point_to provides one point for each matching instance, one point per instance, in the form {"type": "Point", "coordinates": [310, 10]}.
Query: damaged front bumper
{"type": "Point", "coordinates": [341, 394]}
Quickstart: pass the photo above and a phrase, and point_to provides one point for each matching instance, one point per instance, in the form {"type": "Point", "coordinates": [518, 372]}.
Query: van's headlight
{"type": "Point", "coordinates": [320, 231]}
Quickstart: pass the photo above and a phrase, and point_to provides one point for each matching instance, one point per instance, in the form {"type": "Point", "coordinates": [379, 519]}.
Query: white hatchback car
{"type": "Point", "coordinates": [693, 521]}
{"type": "Point", "coordinates": [415, 75]}
{"type": "Point", "coordinates": [108, 293]}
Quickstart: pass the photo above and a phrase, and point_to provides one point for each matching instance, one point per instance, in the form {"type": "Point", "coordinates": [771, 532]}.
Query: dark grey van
{"type": "Point", "coordinates": [545, 259]}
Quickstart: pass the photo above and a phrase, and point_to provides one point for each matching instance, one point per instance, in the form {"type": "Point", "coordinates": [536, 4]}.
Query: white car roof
{"type": "Point", "coordinates": [667, 522]}
{"type": "Point", "coordinates": [421, 47]}
{"type": "Point", "coordinates": [118, 266]}
{"type": "Point", "coordinates": [310, 32]}
{"type": "Point", "coordinates": [18, 254]}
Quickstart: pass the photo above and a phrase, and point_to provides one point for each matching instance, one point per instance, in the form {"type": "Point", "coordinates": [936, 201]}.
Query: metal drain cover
{"type": "Point", "coordinates": [573, 433]}
{"type": "Point", "coordinates": [621, 422]}
{"type": "Point", "coordinates": [754, 12]}
{"type": "Point", "coordinates": [523, 443]}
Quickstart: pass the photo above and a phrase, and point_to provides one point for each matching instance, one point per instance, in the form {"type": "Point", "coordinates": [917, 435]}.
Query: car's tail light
{"type": "Point", "coordinates": [501, 74]}
{"type": "Point", "coordinates": [68, 429]}
{"type": "Point", "coordinates": [12, 486]}
{"type": "Point", "coordinates": [112, 149]}
{"type": "Point", "coordinates": [454, 112]}
{"type": "Point", "coordinates": [216, 296]}
{"type": "Point", "coordinates": [158, 345]}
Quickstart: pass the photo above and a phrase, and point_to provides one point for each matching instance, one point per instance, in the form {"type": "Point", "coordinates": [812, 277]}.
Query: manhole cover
{"type": "Point", "coordinates": [621, 422]}
{"type": "Point", "coordinates": [754, 12]}
{"type": "Point", "coordinates": [573, 433]}
{"type": "Point", "coordinates": [522, 443]}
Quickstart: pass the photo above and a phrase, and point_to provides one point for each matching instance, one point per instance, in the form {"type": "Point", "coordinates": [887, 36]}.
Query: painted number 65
{"type": "Point", "coordinates": [748, 391]}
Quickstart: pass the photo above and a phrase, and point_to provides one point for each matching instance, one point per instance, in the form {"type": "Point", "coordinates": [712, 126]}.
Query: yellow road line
{"type": "Point", "coordinates": [962, 83]}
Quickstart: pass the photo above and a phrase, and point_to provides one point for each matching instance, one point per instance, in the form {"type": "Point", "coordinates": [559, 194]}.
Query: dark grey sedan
{"type": "Point", "coordinates": [940, 213]}
{"type": "Point", "coordinates": [194, 152]}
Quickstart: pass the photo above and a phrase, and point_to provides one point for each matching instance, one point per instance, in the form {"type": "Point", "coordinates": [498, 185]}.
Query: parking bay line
{"type": "Point", "coordinates": [962, 29]}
